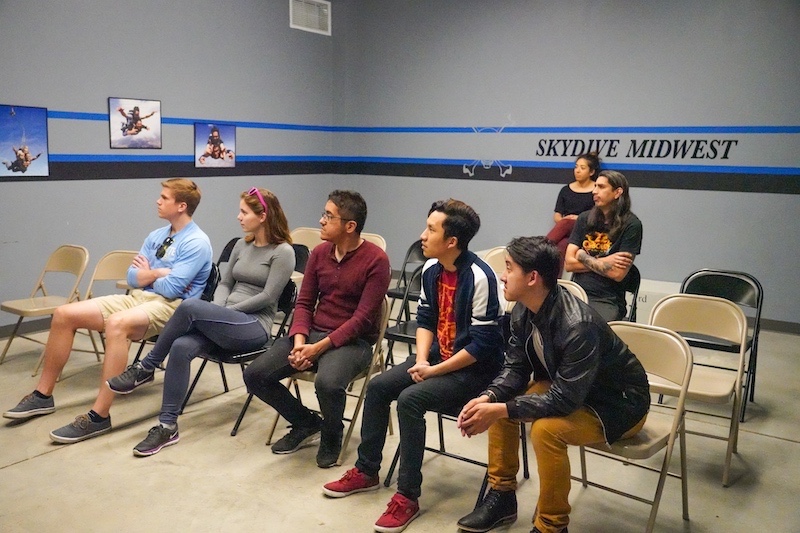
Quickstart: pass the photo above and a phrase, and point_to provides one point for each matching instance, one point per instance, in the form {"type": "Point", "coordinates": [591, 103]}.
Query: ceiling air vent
{"type": "Point", "coordinates": [310, 15]}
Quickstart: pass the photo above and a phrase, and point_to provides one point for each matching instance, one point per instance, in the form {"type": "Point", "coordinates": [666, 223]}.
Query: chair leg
{"type": "Point", "coordinates": [441, 431]}
{"type": "Point", "coordinates": [194, 383]}
{"type": "Point", "coordinates": [684, 470]}
{"type": "Point", "coordinates": [11, 338]}
{"type": "Point", "coordinates": [235, 429]}
{"type": "Point", "coordinates": [39, 365]}
{"type": "Point", "coordinates": [584, 481]}
{"type": "Point", "coordinates": [733, 438]}
{"type": "Point", "coordinates": [390, 473]}
{"type": "Point", "coordinates": [271, 432]}
{"type": "Point", "coordinates": [222, 374]}
{"type": "Point", "coordinates": [139, 352]}
{"type": "Point", "coordinates": [526, 471]}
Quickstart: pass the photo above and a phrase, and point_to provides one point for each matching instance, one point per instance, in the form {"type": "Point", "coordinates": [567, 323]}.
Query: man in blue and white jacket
{"type": "Point", "coordinates": [459, 352]}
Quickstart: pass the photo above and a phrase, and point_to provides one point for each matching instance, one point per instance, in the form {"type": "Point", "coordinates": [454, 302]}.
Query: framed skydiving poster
{"type": "Point", "coordinates": [214, 145]}
{"type": "Point", "coordinates": [23, 141]}
{"type": "Point", "coordinates": [134, 123]}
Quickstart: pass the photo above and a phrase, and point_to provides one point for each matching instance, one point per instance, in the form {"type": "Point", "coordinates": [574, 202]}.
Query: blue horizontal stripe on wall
{"type": "Point", "coordinates": [781, 130]}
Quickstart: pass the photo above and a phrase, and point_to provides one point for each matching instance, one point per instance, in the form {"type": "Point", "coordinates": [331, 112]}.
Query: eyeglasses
{"type": "Point", "coordinates": [256, 192]}
{"type": "Point", "coordinates": [162, 250]}
{"type": "Point", "coordinates": [328, 217]}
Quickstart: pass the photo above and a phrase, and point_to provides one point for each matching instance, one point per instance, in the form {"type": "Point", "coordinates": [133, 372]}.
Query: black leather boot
{"type": "Point", "coordinates": [496, 509]}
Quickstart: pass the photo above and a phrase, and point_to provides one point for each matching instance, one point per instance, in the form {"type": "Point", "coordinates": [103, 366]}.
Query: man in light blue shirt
{"type": "Point", "coordinates": [173, 264]}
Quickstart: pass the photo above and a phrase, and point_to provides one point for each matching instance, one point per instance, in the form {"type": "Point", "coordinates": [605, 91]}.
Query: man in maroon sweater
{"type": "Point", "coordinates": [336, 320]}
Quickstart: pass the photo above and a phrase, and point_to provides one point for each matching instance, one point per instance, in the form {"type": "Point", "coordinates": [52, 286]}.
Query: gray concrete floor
{"type": "Point", "coordinates": [211, 481]}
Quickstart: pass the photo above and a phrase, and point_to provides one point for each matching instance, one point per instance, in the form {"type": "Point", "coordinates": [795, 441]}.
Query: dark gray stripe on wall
{"type": "Point", "coordinates": [734, 182]}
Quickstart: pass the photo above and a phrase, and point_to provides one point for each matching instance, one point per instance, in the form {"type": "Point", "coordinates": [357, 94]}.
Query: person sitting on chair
{"type": "Point", "coordinates": [603, 244]}
{"type": "Point", "coordinates": [336, 321]}
{"type": "Point", "coordinates": [587, 388]}
{"type": "Point", "coordinates": [574, 199]}
{"type": "Point", "coordinates": [459, 351]}
{"type": "Point", "coordinates": [239, 319]}
{"type": "Point", "coordinates": [172, 266]}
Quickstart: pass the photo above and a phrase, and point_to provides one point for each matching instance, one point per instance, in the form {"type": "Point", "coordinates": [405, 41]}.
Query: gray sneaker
{"type": "Point", "coordinates": [133, 376]}
{"type": "Point", "coordinates": [81, 429]}
{"type": "Point", "coordinates": [157, 438]}
{"type": "Point", "coordinates": [30, 406]}
{"type": "Point", "coordinates": [298, 437]}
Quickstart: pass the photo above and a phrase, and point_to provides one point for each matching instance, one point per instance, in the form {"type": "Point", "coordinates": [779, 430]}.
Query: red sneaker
{"type": "Point", "coordinates": [354, 480]}
{"type": "Point", "coordinates": [400, 512]}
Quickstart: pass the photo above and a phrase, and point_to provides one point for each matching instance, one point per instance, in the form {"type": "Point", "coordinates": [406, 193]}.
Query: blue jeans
{"type": "Point", "coordinates": [335, 369]}
{"type": "Point", "coordinates": [442, 394]}
{"type": "Point", "coordinates": [196, 327]}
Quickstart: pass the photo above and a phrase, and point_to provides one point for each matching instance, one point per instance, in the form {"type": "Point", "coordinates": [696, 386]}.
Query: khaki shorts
{"type": "Point", "coordinates": [157, 308]}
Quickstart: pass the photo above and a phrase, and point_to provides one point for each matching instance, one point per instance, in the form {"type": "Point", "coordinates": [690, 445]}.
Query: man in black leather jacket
{"type": "Point", "coordinates": [587, 388]}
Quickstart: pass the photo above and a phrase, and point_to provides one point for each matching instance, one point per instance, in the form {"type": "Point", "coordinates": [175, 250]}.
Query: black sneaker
{"type": "Point", "coordinates": [81, 429]}
{"type": "Point", "coordinates": [496, 509]}
{"type": "Point", "coordinates": [298, 437]}
{"type": "Point", "coordinates": [158, 437]}
{"type": "Point", "coordinates": [133, 376]}
{"type": "Point", "coordinates": [329, 449]}
{"type": "Point", "coordinates": [30, 406]}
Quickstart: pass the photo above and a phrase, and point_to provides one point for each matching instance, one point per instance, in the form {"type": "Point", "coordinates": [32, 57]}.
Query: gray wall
{"type": "Point", "coordinates": [404, 63]}
{"type": "Point", "coordinates": [592, 63]}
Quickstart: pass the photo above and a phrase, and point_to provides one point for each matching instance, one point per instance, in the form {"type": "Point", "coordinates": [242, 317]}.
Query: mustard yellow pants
{"type": "Point", "coordinates": [549, 438]}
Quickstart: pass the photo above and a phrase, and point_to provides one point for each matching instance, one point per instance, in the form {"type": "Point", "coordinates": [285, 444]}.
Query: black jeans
{"type": "Point", "coordinates": [442, 394]}
{"type": "Point", "coordinates": [335, 369]}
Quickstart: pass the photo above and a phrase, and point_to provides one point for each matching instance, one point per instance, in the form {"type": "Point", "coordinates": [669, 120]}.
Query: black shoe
{"type": "Point", "coordinates": [329, 449]}
{"type": "Point", "coordinates": [133, 376]}
{"type": "Point", "coordinates": [298, 437]}
{"type": "Point", "coordinates": [496, 509]}
{"type": "Point", "coordinates": [158, 437]}
{"type": "Point", "coordinates": [536, 530]}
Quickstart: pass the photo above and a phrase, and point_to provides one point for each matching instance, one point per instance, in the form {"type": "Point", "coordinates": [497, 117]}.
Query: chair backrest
{"type": "Point", "coordinates": [287, 298]}
{"type": "Point", "coordinates": [375, 239]}
{"type": "Point", "coordinates": [705, 315]}
{"type": "Point", "coordinates": [211, 284]}
{"type": "Point", "coordinates": [414, 257]}
{"type": "Point", "coordinates": [410, 291]}
{"type": "Point", "coordinates": [67, 258]}
{"type": "Point", "coordinates": [662, 352]}
{"type": "Point", "coordinates": [575, 289]}
{"type": "Point", "coordinates": [225, 255]}
{"type": "Point", "coordinates": [386, 308]}
{"type": "Point", "coordinates": [739, 287]}
{"type": "Point", "coordinates": [496, 258]}
{"type": "Point", "coordinates": [308, 236]}
{"type": "Point", "coordinates": [112, 267]}
{"type": "Point", "coordinates": [301, 253]}
{"type": "Point", "coordinates": [631, 284]}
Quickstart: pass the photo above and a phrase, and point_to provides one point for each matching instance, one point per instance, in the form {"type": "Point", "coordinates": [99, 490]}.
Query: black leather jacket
{"type": "Point", "coordinates": [585, 361]}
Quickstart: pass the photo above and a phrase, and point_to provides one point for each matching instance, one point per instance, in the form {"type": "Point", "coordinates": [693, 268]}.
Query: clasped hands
{"type": "Point", "coordinates": [479, 414]}
{"type": "Point", "coordinates": [303, 356]}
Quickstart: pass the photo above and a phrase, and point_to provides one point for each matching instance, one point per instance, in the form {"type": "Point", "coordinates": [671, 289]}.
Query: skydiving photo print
{"type": "Point", "coordinates": [23, 141]}
{"type": "Point", "coordinates": [134, 123]}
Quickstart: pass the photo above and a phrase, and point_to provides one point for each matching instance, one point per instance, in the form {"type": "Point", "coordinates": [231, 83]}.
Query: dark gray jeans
{"type": "Point", "coordinates": [442, 394]}
{"type": "Point", "coordinates": [335, 369]}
